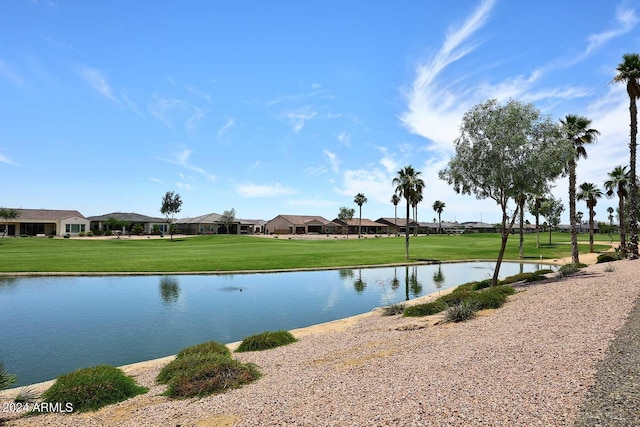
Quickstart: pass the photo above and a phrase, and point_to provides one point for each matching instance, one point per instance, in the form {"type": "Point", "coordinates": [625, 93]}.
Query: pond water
{"type": "Point", "coordinates": [54, 325]}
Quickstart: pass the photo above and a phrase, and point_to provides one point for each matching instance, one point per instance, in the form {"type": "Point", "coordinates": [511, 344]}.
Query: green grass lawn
{"type": "Point", "coordinates": [226, 253]}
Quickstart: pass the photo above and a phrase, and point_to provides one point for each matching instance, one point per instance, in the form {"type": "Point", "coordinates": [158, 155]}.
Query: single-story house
{"type": "Point", "coordinates": [207, 224]}
{"type": "Point", "coordinates": [300, 224]}
{"type": "Point", "coordinates": [149, 224]}
{"type": "Point", "coordinates": [368, 226]}
{"type": "Point", "coordinates": [480, 227]}
{"type": "Point", "coordinates": [400, 225]}
{"type": "Point", "coordinates": [45, 222]}
{"type": "Point", "coordinates": [447, 227]}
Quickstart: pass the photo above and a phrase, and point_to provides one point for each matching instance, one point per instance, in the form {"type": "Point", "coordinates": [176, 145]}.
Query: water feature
{"type": "Point", "coordinates": [54, 325]}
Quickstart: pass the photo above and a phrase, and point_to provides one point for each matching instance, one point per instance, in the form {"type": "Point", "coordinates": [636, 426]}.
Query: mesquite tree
{"type": "Point", "coordinates": [503, 152]}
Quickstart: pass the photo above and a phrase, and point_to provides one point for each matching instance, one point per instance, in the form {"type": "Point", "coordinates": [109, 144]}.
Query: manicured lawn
{"type": "Point", "coordinates": [226, 253]}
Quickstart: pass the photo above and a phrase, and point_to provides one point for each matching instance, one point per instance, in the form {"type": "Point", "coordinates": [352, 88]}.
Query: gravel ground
{"type": "Point", "coordinates": [534, 362]}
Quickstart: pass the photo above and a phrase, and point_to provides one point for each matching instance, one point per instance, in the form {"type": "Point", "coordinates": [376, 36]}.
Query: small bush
{"type": "Point", "coordinates": [426, 309]}
{"type": "Point", "coordinates": [505, 289]}
{"type": "Point", "coordinates": [607, 257]}
{"type": "Point", "coordinates": [204, 374]}
{"type": "Point", "coordinates": [490, 298]}
{"type": "Point", "coordinates": [460, 313]}
{"type": "Point", "coordinates": [266, 341]}
{"type": "Point", "coordinates": [465, 287]}
{"type": "Point", "coordinates": [206, 347]}
{"type": "Point", "coordinates": [90, 389]}
{"type": "Point", "coordinates": [89, 233]}
{"type": "Point", "coordinates": [6, 379]}
{"type": "Point", "coordinates": [26, 394]}
{"type": "Point", "coordinates": [108, 233]}
{"type": "Point", "coordinates": [393, 309]}
{"type": "Point", "coordinates": [569, 269]}
{"type": "Point", "coordinates": [481, 285]}
{"type": "Point", "coordinates": [455, 298]}
{"type": "Point", "coordinates": [526, 277]}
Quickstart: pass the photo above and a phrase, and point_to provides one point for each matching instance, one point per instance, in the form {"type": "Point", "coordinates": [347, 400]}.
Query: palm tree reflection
{"type": "Point", "coordinates": [169, 289]}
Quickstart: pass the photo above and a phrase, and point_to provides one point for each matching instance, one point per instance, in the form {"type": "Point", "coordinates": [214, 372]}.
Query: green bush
{"type": "Point", "coordinates": [460, 312]}
{"type": "Point", "coordinates": [569, 269]}
{"type": "Point", "coordinates": [489, 298]}
{"type": "Point", "coordinates": [393, 309]}
{"type": "Point", "coordinates": [481, 285]}
{"type": "Point", "coordinates": [108, 233]}
{"type": "Point", "coordinates": [505, 289]}
{"type": "Point", "coordinates": [203, 374]}
{"type": "Point", "coordinates": [526, 277]}
{"type": "Point", "coordinates": [426, 309]}
{"type": "Point", "coordinates": [90, 389]}
{"type": "Point", "coordinates": [607, 257]}
{"type": "Point", "coordinates": [455, 298]}
{"type": "Point", "coordinates": [265, 341]}
{"type": "Point", "coordinates": [206, 347]}
{"type": "Point", "coordinates": [6, 379]}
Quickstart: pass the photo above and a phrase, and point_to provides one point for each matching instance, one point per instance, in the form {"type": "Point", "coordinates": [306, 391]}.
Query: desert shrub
{"type": "Point", "coordinates": [265, 341]}
{"type": "Point", "coordinates": [607, 257]}
{"type": "Point", "coordinates": [206, 347]}
{"type": "Point", "coordinates": [460, 312]}
{"type": "Point", "coordinates": [465, 287]}
{"type": "Point", "coordinates": [89, 233]}
{"type": "Point", "coordinates": [201, 374]}
{"type": "Point", "coordinates": [108, 233]}
{"type": "Point", "coordinates": [6, 379]}
{"type": "Point", "coordinates": [481, 285]}
{"type": "Point", "coordinates": [489, 298]}
{"type": "Point", "coordinates": [569, 269]}
{"type": "Point", "coordinates": [505, 289]}
{"type": "Point", "coordinates": [393, 309]}
{"type": "Point", "coordinates": [26, 394]}
{"type": "Point", "coordinates": [526, 277]}
{"type": "Point", "coordinates": [426, 309]}
{"type": "Point", "coordinates": [90, 389]}
{"type": "Point", "coordinates": [455, 298]}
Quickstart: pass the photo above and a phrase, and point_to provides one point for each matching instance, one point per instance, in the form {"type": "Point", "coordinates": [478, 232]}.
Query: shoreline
{"type": "Point", "coordinates": [330, 326]}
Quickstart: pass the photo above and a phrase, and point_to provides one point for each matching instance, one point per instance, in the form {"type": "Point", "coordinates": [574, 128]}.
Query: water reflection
{"type": "Point", "coordinates": [169, 289]}
{"type": "Point", "coordinates": [438, 279]}
{"type": "Point", "coordinates": [359, 285]}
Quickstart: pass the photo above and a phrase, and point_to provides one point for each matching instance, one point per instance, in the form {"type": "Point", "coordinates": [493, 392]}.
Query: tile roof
{"type": "Point", "coordinates": [126, 216]}
{"type": "Point", "coordinates": [45, 214]}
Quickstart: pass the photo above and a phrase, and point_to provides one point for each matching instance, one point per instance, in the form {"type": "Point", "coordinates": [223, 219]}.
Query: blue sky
{"type": "Point", "coordinates": [288, 107]}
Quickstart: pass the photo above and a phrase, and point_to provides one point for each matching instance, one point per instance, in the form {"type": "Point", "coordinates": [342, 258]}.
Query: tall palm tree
{"type": "Point", "coordinates": [417, 198]}
{"type": "Point", "coordinates": [360, 200]}
{"type": "Point", "coordinates": [407, 181]}
{"type": "Point", "coordinates": [395, 199]}
{"type": "Point", "coordinates": [577, 130]}
{"type": "Point", "coordinates": [618, 183]}
{"type": "Point", "coordinates": [629, 73]}
{"type": "Point", "coordinates": [439, 206]}
{"type": "Point", "coordinates": [590, 193]}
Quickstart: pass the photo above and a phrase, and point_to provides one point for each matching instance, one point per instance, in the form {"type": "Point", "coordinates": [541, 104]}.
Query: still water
{"type": "Point", "coordinates": [52, 326]}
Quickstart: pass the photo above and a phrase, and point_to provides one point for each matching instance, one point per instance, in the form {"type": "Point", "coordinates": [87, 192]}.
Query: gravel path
{"type": "Point", "coordinates": [531, 363]}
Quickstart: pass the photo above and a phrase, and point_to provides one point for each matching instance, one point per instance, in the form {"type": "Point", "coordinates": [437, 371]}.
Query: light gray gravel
{"type": "Point", "coordinates": [529, 363]}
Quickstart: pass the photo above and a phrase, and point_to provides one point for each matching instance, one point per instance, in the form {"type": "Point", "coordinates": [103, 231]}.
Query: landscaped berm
{"type": "Point", "coordinates": [558, 352]}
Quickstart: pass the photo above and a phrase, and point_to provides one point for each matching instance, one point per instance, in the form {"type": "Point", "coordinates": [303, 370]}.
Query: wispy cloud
{"type": "Point", "coordinates": [156, 180]}
{"type": "Point", "coordinates": [316, 92]}
{"type": "Point", "coordinates": [299, 117]}
{"type": "Point", "coordinates": [433, 109]}
{"type": "Point", "coordinates": [7, 72]}
{"type": "Point", "coordinates": [626, 20]}
{"type": "Point", "coordinates": [182, 159]}
{"type": "Point", "coordinates": [195, 118]}
{"type": "Point", "coordinates": [263, 190]}
{"type": "Point", "coordinates": [345, 138]}
{"type": "Point", "coordinates": [97, 81]}
{"type": "Point", "coordinates": [170, 110]}
{"type": "Point", "coordinates": [6, 160]}
{"type": "Point", "coordinates": [162, 107]}
{"type": "Point", "coordinates": [333, 160]}
{"type": "Point", "coordinates": [230, 122]}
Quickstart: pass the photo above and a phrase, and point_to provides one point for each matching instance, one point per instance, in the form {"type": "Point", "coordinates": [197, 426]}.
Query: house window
{"type": "Point", "coordinates": [75, 228]}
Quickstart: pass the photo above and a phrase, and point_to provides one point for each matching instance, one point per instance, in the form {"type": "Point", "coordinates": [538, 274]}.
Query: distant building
{"type": "Point", "coordinates": [131, 219]}
{"type": "Point", "coordinates": [368, 226]}
{"type": "Point", "coordinates": [301, 224]}
{"type": "Point", "coordinates": [45, 222]}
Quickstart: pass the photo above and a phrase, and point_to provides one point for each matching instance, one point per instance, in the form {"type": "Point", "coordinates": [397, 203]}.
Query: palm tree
{"type": "Point", "coordinates": [360, 200]}
{"type": "Point", "coordinates": [590, 194]}
{"type": "Point", "coordinates": [406, 182]}
{"type": "Point", "coordinates": [618, 183]}
{"type": "Point", "coordinates": [417, 198]}
{"type": "Point", "coordinates": [439, 206]}
{"type": "Point", "coordinates": [395, 200]}
{"type": "Point", "coordinates": [629, 73]}
{"type": "Point", "coordinates": [577, 131]}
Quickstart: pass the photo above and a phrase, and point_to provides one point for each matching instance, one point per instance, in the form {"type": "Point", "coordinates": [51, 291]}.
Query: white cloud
{"type": "Point", "coordinates": [345, 138]}
{"type": "Point", "coordinates": [97, 81]}
{"type": "Point", "coordinates": [193, 120]}
{"type": "Point", "coordinates": [5, 159]}
{"type": "Point", "coordinates": [263, 190]}
{"type": "Point", "coordinates": [230, 121]}
{"type": "Point", "coordinates": [182, 159]}
{"type": "Point", "coordinates": [334, 162]}
{"type": "Point", "coordinates": [299, 117]}
{"type": "Point", "coordinates": [10, 74]}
